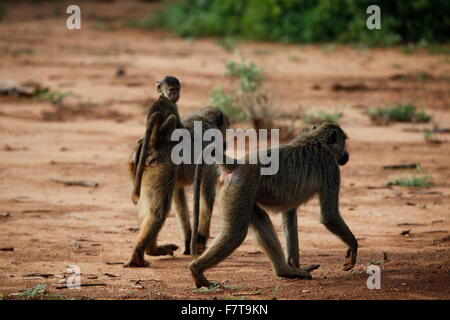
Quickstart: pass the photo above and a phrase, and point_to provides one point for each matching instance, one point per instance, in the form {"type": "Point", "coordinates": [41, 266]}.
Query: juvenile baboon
{"type": "Point", "coordinates": [165, 106]}
{"type": "Point", "coordinates": [162, 180]}
{"type": "Point", "coordinates": [308, 166]}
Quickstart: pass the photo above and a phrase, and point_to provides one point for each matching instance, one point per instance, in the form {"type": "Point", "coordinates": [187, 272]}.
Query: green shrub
{"type": "Point", "coordinates": [414, 181]}
{"type": "Point", "coordinates": [322, 116]}
{"type": "Point", "coordinates": [40, 292]}
{"type": "Point", "coordinates": [54, 97]}
{"type": "Point", "coordinates": [250, 75]}
{"type": "Point", "coordinates": [2, 11]}
{"type": "Point", "coordinates": [398, 113]}
{"type": "Point", "coordinates": [228, 103]}
{"type": "Point", "coordinates": [309, 20]}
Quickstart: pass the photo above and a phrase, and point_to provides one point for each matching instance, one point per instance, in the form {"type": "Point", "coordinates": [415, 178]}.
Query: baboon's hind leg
{"type": "Point", "coordinates": [182, 211]}
{"type": "Point", "coordinates": [267, 238]}
{"type": "Point", "coordinates": [236, 219]}
{"type": "Point", "coordinates": [153, 215]}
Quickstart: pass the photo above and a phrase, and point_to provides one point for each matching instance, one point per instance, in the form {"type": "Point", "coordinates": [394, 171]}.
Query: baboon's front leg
{"type": "Point", "coordinates": [331, 218]}
{"type": "Point", "coordinates": [291, 236]}
{"type": "Point", "coordinates": [182, 211]}
{"type": "Point", "coordinates": [340, 229]}
{"type": "Point", "coordinates": [268, 239]}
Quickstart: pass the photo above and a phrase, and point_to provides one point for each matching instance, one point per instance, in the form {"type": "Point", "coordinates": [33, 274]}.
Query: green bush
{"type": "Point", "coordinates": [414, 181]}
{"type": "Point", "coordinates": [250, 75]}
{"type": "Point", "coordinates": [308, 20]}
{"type": "Point", "coordinates": [2, 11]}
{"type": "Point", "coordinates": [228, 103]}
{"type": "Point", "coordinates": [321, 117]}
{"type": "Point", "coordinates": [398, 113]}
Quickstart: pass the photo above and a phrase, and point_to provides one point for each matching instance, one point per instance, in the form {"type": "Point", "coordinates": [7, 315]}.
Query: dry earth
{"type": "Point", "coordinates": [89, 137]}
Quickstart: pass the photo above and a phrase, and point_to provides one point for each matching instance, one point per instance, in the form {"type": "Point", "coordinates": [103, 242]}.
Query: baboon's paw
{"type": "Point", "coordinates": [199, 279]}
{"type": "Point", "coordinates": [296, 273]}
{"type": "Point", "coordinates": [136, 264]}
{"type": "Point", "coordinates": [164, 250]}
{"type": "Point", "coordinates": [312, 267]}
{"type": "Point", "coordinates": [349, 264]}
{"type": "Point", "coordinates": [201, 248]}
{"type": "Point", "coordinates": [350, 260]}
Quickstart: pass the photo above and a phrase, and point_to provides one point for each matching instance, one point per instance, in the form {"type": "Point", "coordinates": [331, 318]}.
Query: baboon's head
{"type": "Point", "coordinates": [335, 138]}
{"type": "Point", "coordinates": [170, 87]}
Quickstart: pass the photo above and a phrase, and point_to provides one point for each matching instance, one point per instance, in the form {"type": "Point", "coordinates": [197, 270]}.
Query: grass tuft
{"type": "Point", "coordinates": [398, 113]}
{"type": "Point", "coordinates": [424, 181]}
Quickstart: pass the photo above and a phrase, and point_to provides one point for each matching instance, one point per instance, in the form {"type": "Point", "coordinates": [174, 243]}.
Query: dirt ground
{"type": "Point", "coordinates": [50, 225]}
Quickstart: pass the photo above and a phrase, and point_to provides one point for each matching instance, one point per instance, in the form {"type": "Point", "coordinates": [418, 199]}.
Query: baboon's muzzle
{"type": "Point", "coordinates": [344, 159]}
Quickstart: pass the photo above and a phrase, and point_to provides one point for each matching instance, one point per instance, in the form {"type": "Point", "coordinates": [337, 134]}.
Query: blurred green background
{"type": "Point", "coordinates": [304, 21]}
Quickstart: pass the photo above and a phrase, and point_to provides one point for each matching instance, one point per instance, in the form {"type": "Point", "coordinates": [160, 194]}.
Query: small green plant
{"type": "Point", "coordinates": [40, 292]}
{"type": "Point", "coordinates": [213, 288]}
{"type": "Point", "coordinates": [424, 181]}
{"type": "Point", "coordinates": [275, 292]}
{"type": "Point", "coordinates": [249, 75]}
{"type": "Point", "coordinates": [294, 58]}
{"type": "Point", "coordinates": [23, 51]}
{"type": "Point", "coordinates": [262, 52]}
{"type": "Point", "coordinates": [147, 22]}
{"type": "Point", "coordinates": [240, 104]}
{"type": "Point", "coordinates": [236, 298]}
{"type": "Point", "coordinates": [228, 43]}
{"type": "Point", "coordinates": [228, 103]}
{"type": "Point", "coordinates": [398, 113]}
{"type": "Point", "coordinates": [410, 48]}
{"type": "Point", "coordinates": [431, 138]}
{"type": "Point", "coordinates": [322, 116]}
{"type": "Point", "coordinates": [438, 48]}
{"type": "Point", "coordinates": [54, 97]}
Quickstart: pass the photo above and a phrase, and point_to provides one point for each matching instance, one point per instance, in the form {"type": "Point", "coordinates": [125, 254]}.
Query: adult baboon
{"type": "Point", "coordinates": [162, 180]}
{"type": "Point", "coordinates": [308, 166]}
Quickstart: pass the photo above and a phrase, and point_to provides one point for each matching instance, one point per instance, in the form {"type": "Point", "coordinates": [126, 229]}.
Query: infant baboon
{"type": "Point", "coordinates": [162, 180]}
{"type": "Point", "coordinates": [308, 166]}
{"type": "Point", "coordinates": [165, 106]}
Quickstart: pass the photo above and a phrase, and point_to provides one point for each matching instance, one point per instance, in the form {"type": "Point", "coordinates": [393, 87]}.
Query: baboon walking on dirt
{"type": "Point", "coordinates": [163, 180]}
{"type": "Point", "coordinates": [308, 166]}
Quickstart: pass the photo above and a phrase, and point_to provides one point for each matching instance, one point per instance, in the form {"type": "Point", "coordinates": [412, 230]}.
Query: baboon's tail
{"type": "Point", "coordinates": [140, 164]}
{"type": "Point", "coordinates": [228, 164]}
{"type": "Point", "coordinates": [197, 185]}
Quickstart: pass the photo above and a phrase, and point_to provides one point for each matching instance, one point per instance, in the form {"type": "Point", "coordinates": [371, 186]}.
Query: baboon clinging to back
{"type": "Point", "coordinates": [163, 180]}
{"type": "Point", "coordinates": [166, 105]}
{"type": "Point", "coordinates": [308, 166]}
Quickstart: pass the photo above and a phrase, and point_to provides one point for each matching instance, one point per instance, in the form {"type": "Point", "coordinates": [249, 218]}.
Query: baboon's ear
{"type": "Point", "coordinates": [158, 86]}
{"type": "Point", "coordinates": [332, 138]}
{"type": "Point", "coordinates": [168, 126]}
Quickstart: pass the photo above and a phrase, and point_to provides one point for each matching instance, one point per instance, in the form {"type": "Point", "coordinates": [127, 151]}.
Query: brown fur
{"type": "Point", "coordinates": [164, 107]}
{"type": "Point", "coordinates": [309, 166]}
{"type": "Point", "coordinates": [163, 181]}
